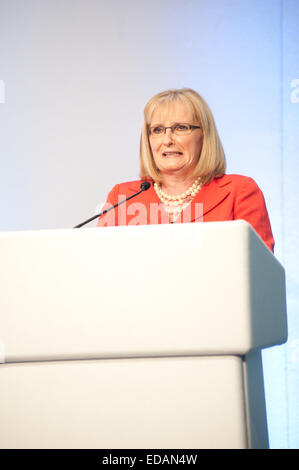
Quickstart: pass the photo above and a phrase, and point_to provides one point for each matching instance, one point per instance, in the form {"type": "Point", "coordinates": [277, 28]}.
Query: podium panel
{"type": "Point", "coordinates": [166, 403]}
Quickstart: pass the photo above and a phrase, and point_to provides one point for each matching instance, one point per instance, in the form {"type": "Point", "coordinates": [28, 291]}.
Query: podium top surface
{"type": "Point", "coordinates": [160, 290]}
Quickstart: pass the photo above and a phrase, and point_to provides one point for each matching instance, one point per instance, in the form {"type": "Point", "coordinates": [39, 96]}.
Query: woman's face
{"type": "Point", "coordinates": [175, 154]}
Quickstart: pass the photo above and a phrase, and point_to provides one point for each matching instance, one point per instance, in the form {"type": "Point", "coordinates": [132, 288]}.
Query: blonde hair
{"type": "Point", "coordinates": [212, 159]}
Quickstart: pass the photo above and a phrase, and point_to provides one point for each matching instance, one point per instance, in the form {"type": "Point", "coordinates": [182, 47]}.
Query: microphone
{"type": "Point", "coordinates": [143, 187]}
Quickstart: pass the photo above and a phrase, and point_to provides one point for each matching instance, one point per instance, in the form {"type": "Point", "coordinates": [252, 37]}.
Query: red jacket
{"type": "Point", "coordinates": [229, 197]}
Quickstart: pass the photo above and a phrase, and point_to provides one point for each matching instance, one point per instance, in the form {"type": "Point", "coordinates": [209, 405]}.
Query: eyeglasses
{"type": "Point", "coordinates": [178, 129]}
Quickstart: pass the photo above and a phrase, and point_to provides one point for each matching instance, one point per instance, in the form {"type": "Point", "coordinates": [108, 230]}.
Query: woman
{"type": "Point", "coordinates": [182, 157]}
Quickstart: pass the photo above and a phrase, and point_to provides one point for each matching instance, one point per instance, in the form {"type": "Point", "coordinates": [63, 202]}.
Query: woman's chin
{"type": "Point", "coordinates": [175, 168]}
{"type": "Point", "coordinates": [174, 165]}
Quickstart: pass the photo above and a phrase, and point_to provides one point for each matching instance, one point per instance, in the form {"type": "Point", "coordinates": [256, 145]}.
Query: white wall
{"type": "Point", "coordinates": [74, 78]}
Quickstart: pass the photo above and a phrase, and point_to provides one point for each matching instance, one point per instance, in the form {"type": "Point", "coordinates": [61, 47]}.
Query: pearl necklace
{"type": "Point", "coordinates": [175, 204]}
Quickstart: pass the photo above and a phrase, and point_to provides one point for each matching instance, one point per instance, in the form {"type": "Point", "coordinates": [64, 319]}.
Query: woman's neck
{"type": "Point", "coordinates": [172, 184]}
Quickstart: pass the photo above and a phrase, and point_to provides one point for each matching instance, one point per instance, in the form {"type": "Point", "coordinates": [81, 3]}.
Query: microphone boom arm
{"type": "Point", "coordinates": [144, 186]}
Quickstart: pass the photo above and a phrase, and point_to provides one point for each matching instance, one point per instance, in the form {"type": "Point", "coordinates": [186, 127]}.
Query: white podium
{"type": "Point", "coordinates": [137, 337]}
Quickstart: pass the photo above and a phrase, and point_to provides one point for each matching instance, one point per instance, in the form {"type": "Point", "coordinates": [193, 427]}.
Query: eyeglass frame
{"type": "Point", "coordinates": [192, 127]}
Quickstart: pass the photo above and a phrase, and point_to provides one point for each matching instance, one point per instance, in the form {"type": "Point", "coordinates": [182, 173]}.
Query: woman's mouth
{"type": "Point", "coordinates": [172, 154]}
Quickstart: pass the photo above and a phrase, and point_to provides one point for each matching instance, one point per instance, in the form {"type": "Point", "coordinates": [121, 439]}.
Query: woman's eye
{"type": "Point", "coordinates": [181, 127]}
{"type": "Point", "coordinates": [157, 130]}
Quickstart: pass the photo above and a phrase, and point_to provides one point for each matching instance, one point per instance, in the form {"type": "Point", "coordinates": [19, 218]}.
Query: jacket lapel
{"type": "Point", "coordinates": [213, 194]}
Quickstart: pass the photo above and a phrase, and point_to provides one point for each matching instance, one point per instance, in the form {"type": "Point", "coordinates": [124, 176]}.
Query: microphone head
{"type": "Point", "coordinates": [145, 185]}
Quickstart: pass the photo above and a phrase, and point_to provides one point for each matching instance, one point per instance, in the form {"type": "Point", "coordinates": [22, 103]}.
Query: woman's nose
{"type": "Point", "coordinates": [168, 136]}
